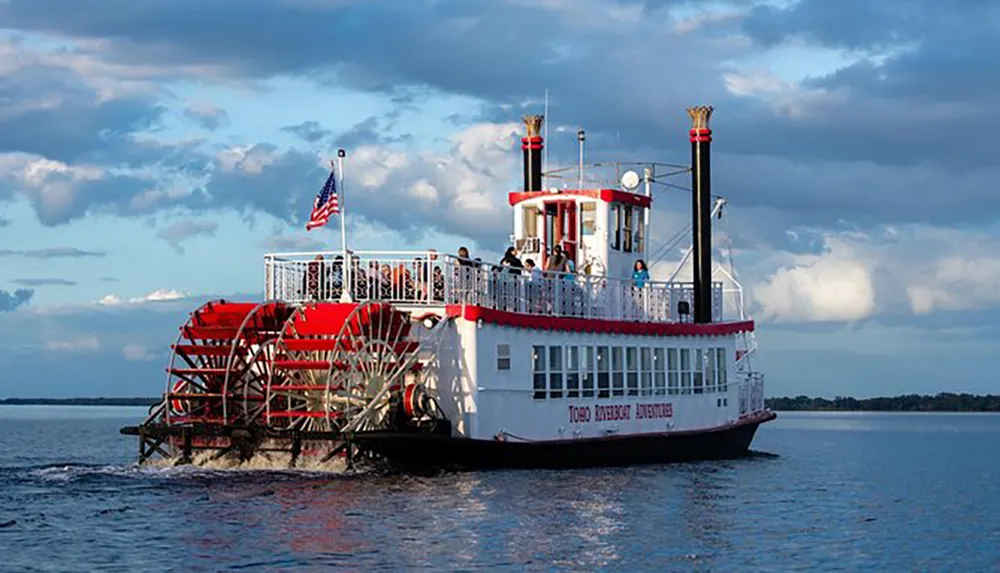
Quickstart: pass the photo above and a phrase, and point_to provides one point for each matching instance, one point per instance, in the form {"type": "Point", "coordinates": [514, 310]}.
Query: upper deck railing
{"type": "Point", "coordinates": [436, 279]}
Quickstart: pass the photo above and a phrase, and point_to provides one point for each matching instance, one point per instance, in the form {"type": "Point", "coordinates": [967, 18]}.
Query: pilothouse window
{"type": "Point", "coordinates": [616, 220]}
{"type": "Point", "coordinates": [637, 242]}
{"type": "Point", "coordinates": [626, 228]}
{"type": "Point", "coordinates": [588, 218]}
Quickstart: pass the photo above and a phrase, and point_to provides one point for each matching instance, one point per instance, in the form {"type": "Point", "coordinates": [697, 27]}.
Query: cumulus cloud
{"type": "Point", "coordinates": [836, 285]}
{"type": "Point", "coordinates": [900, 271]}
{"type": "Point", "coordinates": [13, 300]}
{"type": "Point", "coordinates": [857, 144]}
{"type": "Point", "coordinates": [159, 295]}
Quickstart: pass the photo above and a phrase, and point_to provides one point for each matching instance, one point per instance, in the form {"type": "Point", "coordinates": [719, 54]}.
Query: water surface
{"type": "Point", "coordinates": [834, 492]}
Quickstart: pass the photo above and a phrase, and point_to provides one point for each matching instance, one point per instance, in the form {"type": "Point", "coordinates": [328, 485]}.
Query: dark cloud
{"type": "Point", "coordinates": [368, 132]}
{"type": "Point", "coordinates": [878, 133]}
{"type": "Point", "coordinates": [207, 116]}
{"type": "Point", "coordinates": [53, 112]}
{"type": "Point", "coordinates": [51, 253]}
{"type": "Point", "coordinates": [10, 301]}
{"type": "Point", "coordinates": [43, 282]}
{"type": "Point", "coordinates": [179, 231]}
{"type": "Point", "coordinates": [310, 131]}
{"type": "Point", "coordinates": [282, 242]}
{"type": "Point", "coordinates": [4, 222]}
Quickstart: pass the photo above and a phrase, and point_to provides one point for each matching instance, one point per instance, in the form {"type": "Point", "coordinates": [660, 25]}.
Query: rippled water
{"type": "Point", "coordinates": [849, 492]}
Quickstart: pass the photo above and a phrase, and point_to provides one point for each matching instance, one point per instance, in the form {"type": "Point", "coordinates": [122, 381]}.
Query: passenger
{"type": "Point", "coordinates": [640, 274]}
{"type": "Point", "coordinates": [402, 283]}
{"type": "Point", "coordinates": [510, 260]}
{"type": "Point", "coordinates": [385, 281]}
{"type": "Point", "coordinates": [557, 262]}
{"type": "Point", "coordinates": [421, 278]}
{"type": "Point", "coordinates": [534, 273]}
{"type": "Point", "coordinates": [360, 281]}
{"type": "Point", "coordinates": [438, 275]}
{"type": "Point", "coordinates": [570, 267]}
{"type": "Point", "coordinates": [315, 279]}
{"type": "Point", "coordinates": [337, 276]}
{"type": "Point", "coordinates": [463, 257]}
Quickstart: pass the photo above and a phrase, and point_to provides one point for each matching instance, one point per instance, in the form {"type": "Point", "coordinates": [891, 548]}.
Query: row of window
{"type": "Point", "coordinates": [626, 222]}
{"type": "Point", "coordinates": [611, 371]}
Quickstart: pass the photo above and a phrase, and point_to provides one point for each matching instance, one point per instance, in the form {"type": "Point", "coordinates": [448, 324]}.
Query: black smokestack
{"type": "Point", "coordinates": [701, 185]}
{"type": "Point", "coordinates": [532, 146]}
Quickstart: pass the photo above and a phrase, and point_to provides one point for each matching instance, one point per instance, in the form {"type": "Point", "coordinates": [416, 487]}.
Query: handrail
{"type": "Point", "coordinates": [431, 278]}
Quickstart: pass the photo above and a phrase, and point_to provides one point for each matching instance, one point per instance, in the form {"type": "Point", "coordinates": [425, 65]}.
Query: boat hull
{"type": "Point", "coordinates": [410, 452]}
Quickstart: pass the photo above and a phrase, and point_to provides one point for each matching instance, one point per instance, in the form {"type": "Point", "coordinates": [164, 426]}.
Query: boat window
{"type": "Point", "coordinates": [530, 220]}
{"type": "Point", "coordinates": [646, 373]}
{"type": "Point", "coordinates": [617, 372]}
{"type": "Point", "coordinates": [588, 218]}
{"type": "Point", "coordinates": [720, 369]}
{"type": "Point", "coordinates": [698, 371]}
{"type": "Point", "coordinates": [632, 365]}
{"type": "Point", "coordinates": [587, 370]}
{"type": "Point", "coordinates": [685, 370]}
{"type": "Point", "coordinates": [503, 357]}
{"type": "Point", "coordinates": [602, 372]}
{"type": "Point", "coordinates": [659, 373]}
{"type": "Point", "coordinates": [626, 211]}
{"type": "Point", "coordinates": [674, 371]}
{"type": "Point", "coordinates": [710, 378]}
{"type": "Point", "coordinates": [555, 372]}
{"type": "Point", "coordinates": [572, 372]}
{"type": "Point", "coordinates": [538, 361]}
{"type": "Point", "coordinates": [616, 221]}
{"type": "Point", "coordinates": [639, 227]}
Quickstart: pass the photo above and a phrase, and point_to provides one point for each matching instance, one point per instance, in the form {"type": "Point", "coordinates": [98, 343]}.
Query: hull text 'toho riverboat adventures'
{"type": "Point", "coordinates": [566, 354]}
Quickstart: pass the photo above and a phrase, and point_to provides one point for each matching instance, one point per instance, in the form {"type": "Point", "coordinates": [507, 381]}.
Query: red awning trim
{"type": "Point", "coordinates": [606, 195]}
{"type": "Point", "coordinates": [518, 320]}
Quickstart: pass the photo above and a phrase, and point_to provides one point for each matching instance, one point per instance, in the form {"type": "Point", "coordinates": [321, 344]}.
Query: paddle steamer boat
{"type": "Point", "coordinates": [427, 359]}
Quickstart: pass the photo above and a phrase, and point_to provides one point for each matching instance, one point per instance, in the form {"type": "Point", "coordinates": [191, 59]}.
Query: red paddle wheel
{"type": "Point", "coordinates": [298, 388]}
{"type": "Point", "coordinates": [378, 356]}
{"type": "Point", "coordinates": [218, 366]}
{"type": "Point", "coordinates": [250, 361]}
{"type": "Point", "coordinates": [336, 364]}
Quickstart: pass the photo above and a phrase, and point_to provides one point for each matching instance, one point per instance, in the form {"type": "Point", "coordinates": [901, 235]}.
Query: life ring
{"type": "Point", "coordinates": [179, 406]}
{"type": "Point", "coordinates": [415, 400]}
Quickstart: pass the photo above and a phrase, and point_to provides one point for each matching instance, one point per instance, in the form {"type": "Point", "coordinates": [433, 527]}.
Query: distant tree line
{"type": "Point", "coordinates": [943, 402]}
{"type": "Point", "coordinates": [79, 401]}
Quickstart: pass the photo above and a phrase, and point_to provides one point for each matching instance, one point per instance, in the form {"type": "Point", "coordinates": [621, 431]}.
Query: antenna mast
{"type": "Point", "coordinates": [545, 156]}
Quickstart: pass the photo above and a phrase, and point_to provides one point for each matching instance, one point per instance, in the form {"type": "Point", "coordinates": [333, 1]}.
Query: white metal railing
{"type": "Point", "coordinates": [751, 393]}
{"type": "Point", "coordinates": [435, 279]}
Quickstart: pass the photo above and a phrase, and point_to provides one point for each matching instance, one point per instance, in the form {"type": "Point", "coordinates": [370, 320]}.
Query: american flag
{"type": "Point", "coordinates": [325, 204]}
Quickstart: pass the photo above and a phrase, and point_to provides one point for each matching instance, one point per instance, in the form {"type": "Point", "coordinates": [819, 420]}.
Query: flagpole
{"type": "Point", "coordinates": [346, 271]}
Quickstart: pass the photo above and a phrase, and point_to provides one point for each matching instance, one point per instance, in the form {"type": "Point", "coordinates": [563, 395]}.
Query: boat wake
{"type": "Point", "coordinates": [201, 468]}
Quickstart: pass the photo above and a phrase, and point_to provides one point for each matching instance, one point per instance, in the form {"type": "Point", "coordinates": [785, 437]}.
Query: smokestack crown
{"type": "Point", "coordinates": [700, 133]}
{"type": "Point", "coordinates": [533, 123]}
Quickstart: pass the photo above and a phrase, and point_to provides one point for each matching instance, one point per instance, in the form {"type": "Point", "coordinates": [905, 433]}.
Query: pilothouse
{"type": "Point", "coordinates": [567, 354]}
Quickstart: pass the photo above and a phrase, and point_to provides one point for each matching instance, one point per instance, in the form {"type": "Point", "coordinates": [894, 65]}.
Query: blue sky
{"type": "Point", "coordinates": [152, 152]}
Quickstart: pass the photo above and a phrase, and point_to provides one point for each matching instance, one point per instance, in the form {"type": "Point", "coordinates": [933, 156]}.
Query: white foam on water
{"type": "Point", "coordinates": [203, 465]}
